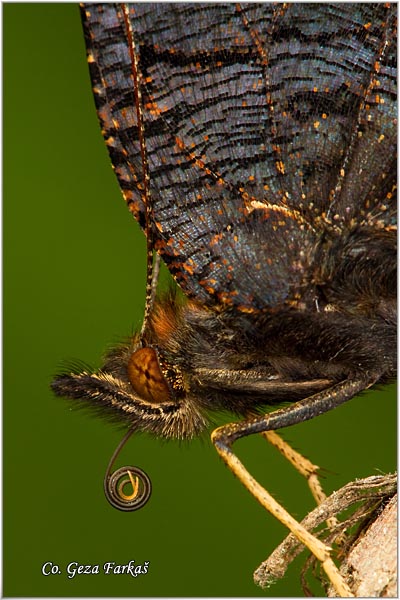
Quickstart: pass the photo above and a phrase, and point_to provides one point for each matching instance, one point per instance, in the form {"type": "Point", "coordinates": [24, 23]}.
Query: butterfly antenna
{"type": "Point", "coordinates": [153, 266]}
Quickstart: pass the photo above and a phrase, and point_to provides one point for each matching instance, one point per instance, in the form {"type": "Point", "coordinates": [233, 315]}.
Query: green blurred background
{"type": "Point", "coordinates": [74, 273]}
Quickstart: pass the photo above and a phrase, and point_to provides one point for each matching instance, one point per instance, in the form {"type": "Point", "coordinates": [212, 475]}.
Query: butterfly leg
{"type": "Point", "coordinates": [305, 409]}
{"type": "Point", "coordinates": [304, 466]}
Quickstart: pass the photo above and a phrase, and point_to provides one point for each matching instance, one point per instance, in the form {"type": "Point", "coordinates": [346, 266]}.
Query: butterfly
{"type": "Point", "coordinates": [255, 144]}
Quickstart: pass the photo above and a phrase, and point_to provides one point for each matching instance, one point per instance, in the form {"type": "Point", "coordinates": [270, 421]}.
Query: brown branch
{"type": "Point", "coordinates": [371, 565]}
{"type": "Point", "coordinates": [365, 497]}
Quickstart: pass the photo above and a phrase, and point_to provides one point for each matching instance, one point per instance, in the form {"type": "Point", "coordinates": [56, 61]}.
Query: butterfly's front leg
{"type": "Point", "coordinates": [306, 468]}
{"type": "Point", "coordinates": [225, 436]}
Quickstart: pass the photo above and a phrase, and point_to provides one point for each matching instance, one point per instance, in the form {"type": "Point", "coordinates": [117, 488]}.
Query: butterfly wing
{"type": "Point", "coordinates": [260, 122]}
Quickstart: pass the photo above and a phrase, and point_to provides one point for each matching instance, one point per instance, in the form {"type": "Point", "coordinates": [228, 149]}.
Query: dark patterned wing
{"type": "Point", "coordinates": [262, 122]}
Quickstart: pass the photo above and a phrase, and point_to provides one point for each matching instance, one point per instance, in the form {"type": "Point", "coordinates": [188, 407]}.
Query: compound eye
{"type": "Point", "coordinates": [146, 376]}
